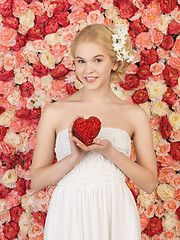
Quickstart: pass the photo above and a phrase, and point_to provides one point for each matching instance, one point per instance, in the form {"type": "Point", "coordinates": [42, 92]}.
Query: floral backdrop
{"type": "Point", "coordinates": [37, 69]}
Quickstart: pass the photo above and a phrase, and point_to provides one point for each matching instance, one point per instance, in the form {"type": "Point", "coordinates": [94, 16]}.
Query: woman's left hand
{"type": "Point", "coordinates": [101, 146]}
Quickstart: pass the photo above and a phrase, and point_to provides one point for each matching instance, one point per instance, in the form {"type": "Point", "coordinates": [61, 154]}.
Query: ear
{"type": "Point", "coordinates": [115, 66]}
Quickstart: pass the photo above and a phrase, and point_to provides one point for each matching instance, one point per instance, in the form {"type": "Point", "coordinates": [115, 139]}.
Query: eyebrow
{"type": "Point", "coordinates": [99, 55]}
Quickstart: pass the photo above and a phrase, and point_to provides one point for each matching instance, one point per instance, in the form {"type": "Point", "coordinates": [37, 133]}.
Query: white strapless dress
{"type": "Point", "coordinates": [92, 201]}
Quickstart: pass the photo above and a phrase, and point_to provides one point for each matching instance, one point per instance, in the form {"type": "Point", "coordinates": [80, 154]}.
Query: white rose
{"type": "Point", "coordinates": [19, 77]}
{"type": "Point", "coordinates": [169, 221]}
{"type": "Point", "coordinates": [14, 97]}
{"type": "Point", "coordinates": [25, 221]}
{"type": "Point", "coordinates": [53, 39]}
{"type": "Point", "coordinates": [111, 12]}
{"type": "Point", "coordinates": [147, 107]}
{"type": "Point", "coordinates": [156, 90]}
{"type": "Point", "coordinates": [27, 203]}
{"type": "Point", "coordinates": [10, 178]}
{"type": "Point", "coordinates": [145, 199]}
{"type": "Point", "coordinates": [27, 19]}
{"type": "Point", "coordinates": [164, 21]}
{"type": "Point", "coordinates": [6, 117]}
{"type": "Point", "coordinates": [106, 4]}
{"type": "Point", "coordinates": [47, 59]}
{"type": "Point", "coordinates": [159, 108]}
{"type": "Point", "coordinates": [174, 119]}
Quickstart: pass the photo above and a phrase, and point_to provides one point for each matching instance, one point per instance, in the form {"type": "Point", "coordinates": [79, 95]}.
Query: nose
{"type": "Point", "coordinates": [89, 68]}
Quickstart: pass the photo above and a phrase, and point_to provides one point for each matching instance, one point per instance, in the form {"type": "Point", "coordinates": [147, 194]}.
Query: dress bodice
{"type": "Point", "coordinates": [94, 168]}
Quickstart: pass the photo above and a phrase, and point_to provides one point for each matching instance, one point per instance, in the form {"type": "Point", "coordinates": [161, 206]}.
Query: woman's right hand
{"type": "Point", "coordinates": [76, 151]}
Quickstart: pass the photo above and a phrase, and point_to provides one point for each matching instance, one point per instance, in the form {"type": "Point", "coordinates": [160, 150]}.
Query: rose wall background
{"type": "Point", "coordinates": [37, 69]}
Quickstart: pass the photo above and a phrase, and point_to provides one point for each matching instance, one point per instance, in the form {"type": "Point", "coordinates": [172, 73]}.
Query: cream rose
{"type": "Point", "coordinates": [174, 119]}
{"type": "Point", "coordinates": [169, 221]}
{"type": "Point", "coordinates": [147, 107]}
{"type": "Point", "coordinates": [27, 19]}
{"type": "Point", "coordinates": [25, 221]}
{"type": "Point", "coordinates": [145, 199]}
{"type": "Point", "coordinates": [47, 59]}
{"type": "Point", "coordinates": [10, 178]}
{"type": "Point", "coordinates": [159, 108]}
{"type": "Point", "coordinates": [14, 97]}
{"type": "Point", "coordinates": [165, 192]}
{"type": "Point", "coordinates": [157, 137]}
{"type": "Point", "coordinates": [2, 205]}
{"type": "Point", "coordinates": [112, 12]}
{"type": "Point", "coordinates": [19, 77]}
{"type": "Point", "coordinates": [13, 139]}
{"type": "Point", "coordinates": [53, 39]}
{"type": "Point", "coordinates": [164, 21]}
{"type": "Point", "coordinates": [6, 117]}
{"type": "Point", "coordinates": [156, 90]}
{"type": "Point", "coordinates": [27, 203]}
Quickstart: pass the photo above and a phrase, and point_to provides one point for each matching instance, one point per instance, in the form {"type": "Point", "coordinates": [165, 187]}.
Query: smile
{"type": "Point", "coordinates": [90, 79]}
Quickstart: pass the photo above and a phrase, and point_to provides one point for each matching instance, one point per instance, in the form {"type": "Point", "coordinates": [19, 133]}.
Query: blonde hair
{"type": "Point", "coordinates": [102, 35]}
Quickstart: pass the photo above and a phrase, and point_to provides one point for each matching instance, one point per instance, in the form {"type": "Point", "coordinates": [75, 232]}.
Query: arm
{"type": "Point", "coordinates": [144, 172]}
{"type": "Point", "coordinates": [43, 172]}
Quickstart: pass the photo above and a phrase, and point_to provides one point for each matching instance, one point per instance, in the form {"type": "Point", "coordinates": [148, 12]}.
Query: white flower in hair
{"type": "Point", "coordinates": [119, 39]}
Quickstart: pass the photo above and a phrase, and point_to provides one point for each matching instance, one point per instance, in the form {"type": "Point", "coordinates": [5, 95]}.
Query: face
{"type": "Point", "coordinates": [93, 65]}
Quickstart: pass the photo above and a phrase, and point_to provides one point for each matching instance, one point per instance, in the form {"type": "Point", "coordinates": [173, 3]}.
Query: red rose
{"type": "Point", "coordinates": [169, 97]}
{"type": "Point", "coordinates": [154, 227]}
{"type": "Point", "coordinates": [11, 230]}
{"type": "Point", "coordinates": [146, 2]}
{"type": "Point", "coordinates": [35, 33]}
{"type": "Point", "coordinates": [3, 191]}
{"type": "Point", "coordinates": [133, 36]}
{"type": "Point", "coordinates": [138, 26]}
{"type": "Point", "coordinates": [27, 89]}
{"type": "Point", "coordinates": [171, 75]}
{"type": "Point", "coordinates": [51, 25]}
{"type": "Point", "coordinates": [11, 22]}
{"type": "Point", "coordinates": [35, 115]}
{"type": "Point", "coordinates": [26, 159]}
{"type": "Point", "coordinates": [167, 42]}
{"type": "Point", "coordinates": [15, 213]}
{"type": "Point", "coordinates": [59, 71]}
{"type": "Point", "coordinates": [131, 81]}
{"type": "Point", "coordinates": [2, 109]}
{"type": "Point", "coordinates": [6, 8]}
{"type": "Point", "coordinates": [167, 6]}
{"type": "Point", "coordinates": [126, 8]}
{"type": "Point", "coordinates": [41, 19]}
{"type": "Point", "coordinates": [62, 19]}
{"type": "Point", "coordinates": [148, 57]}
{"type": "Point", "coordinates": [175, 150]}
{"type": "Point", "coordinates": [21, 186]}
{"type": "Point", "coordinates": [70, 88]}
{"type": "Point", "coordinates": [6, 75]}
{"type": "Point", "coordinates": [20, 42]}
{"type": "Point", "coordinates": [28, 184]}
{"type": "Point", "coordinates": [61, 5]}
{"type": "Point", "coordinates": [94, 6]}
{"type": "Point", "coordinates": [40, 70]}
{"type": "Point", "coordinates": [144, 71]}
{"type": "Point", "coordinates": [140, 96]}
{"type": "Point", "coordinates": [3, 131]}
{"type": "Point", "coordinates": [173, 27]}
{"type": "Point", "coordinates": [178, 212]}
{"type": "Point", "coordinates": [23, 113]}
{"type": "Point", "coordinates": [39, 217]}
{"type": "Point", "coordinates": [10, 160]}
{"type": "Point", "coordinates": [165, 127]}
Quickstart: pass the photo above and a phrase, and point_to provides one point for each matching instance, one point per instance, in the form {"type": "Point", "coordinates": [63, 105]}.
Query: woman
{"type": "Point", "coordinates": [91, 199]}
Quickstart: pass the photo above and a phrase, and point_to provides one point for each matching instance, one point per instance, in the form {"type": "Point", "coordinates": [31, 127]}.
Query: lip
{"type": "Point", "coordinates": [93, 79]}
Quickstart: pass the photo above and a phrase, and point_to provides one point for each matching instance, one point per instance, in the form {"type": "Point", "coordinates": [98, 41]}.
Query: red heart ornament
{"type": "Point", "coordinates": [86, 129]}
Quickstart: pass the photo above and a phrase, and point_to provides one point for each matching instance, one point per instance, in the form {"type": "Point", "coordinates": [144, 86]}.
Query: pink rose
{"type": "Point", "coordinates": [13, 199]}
{"type": "Point", "coordinates": [154, 121]}
{"type": "Point", "coordinates": [144, 220]}
{"type": "Point", "coordinates": [11, 230]}
{"type": "Point", "coordinates": [39, 217]}
{"type": "Point", "coordinates": [27, 89]}
{"type": "Point", "coordinates": [37, 7]}
{"type": "Point", "coordinates": [159, 211]}
{"type": "Point", "coordinates": [19, 7]}
{"type": "Point", "coordinates": [171, 206]}
{"type": "Point", "coordinates": [166, 175]}
{"type": "Point", "coordinates": [7, 36]}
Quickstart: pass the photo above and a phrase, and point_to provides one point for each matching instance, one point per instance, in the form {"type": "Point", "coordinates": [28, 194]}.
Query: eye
{"type": "Point", "coordinates": [98, 60]}
{"type": "Point", "coordinates": [81, 61]}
